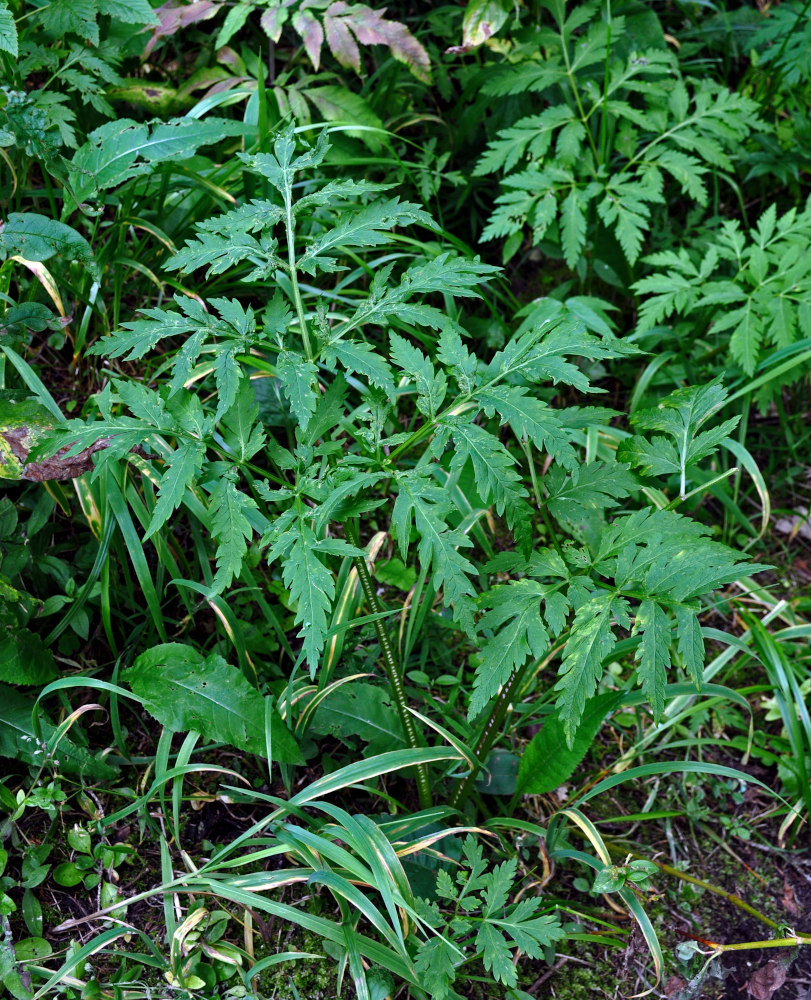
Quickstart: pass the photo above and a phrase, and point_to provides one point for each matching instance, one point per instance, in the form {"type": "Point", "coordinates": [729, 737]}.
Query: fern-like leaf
{"type": "Point", "coordinates": [591, 641]}
{"type": "Point", "coordinates": [422, 503]}
{"type": "Point", "coordinates": [231, 529]}
{"type": "Point", "coordinates": [182, 466]}
{"type": "Point", "coordinates": [514, 616]}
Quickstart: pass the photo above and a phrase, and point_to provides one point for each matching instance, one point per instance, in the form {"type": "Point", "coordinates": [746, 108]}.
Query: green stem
{"type": "Point", "coordinates": [730, 897]}
{"type": "Point", "coordinates": [536, 488]}
{"type": "Point", "coordinates": [392, 669]}
{"type": "Point", "coordinates": [606, 78]}
{"type": "Point", "coordinates": [786, 942]}
{"type": "Point", "coordinates": [573, 84]}
{"type": "Point", "coordinates": [290, 223]}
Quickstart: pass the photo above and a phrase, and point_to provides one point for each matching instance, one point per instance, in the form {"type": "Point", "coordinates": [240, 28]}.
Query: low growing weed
{"type": "Point", "coordinates": [362, 565]}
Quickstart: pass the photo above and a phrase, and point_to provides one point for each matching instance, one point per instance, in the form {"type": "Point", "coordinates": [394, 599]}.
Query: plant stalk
{"type": "Point", "coordinates": [290, 223]}
{"type": "Point", "coordinates": [730, 897]}
{"type": "Point", "coordinates": [393, 674]}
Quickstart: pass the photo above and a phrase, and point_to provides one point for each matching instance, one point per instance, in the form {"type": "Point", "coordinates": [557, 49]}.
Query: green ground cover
{"type": "Point", "coordinates": [404, 441]}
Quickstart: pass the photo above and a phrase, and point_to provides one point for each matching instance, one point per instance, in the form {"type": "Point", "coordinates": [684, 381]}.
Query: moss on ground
{"type": "Point", "coordinates": [304, 979]}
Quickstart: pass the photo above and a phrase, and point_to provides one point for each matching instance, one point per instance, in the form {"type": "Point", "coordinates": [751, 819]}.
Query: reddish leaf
{"type": "Point", "coordinates": [340, 39]}
{"type": "Point", "coordinates": [274, 19]}
{"type": "Point", "coordinates": [370, 27]}
{"type": "Point", "coordinates": [172, 17]}
{"type": "Point", "coordinates": [312, 34]}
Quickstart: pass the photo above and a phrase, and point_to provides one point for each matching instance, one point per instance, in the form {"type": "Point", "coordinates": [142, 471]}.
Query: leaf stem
{"type": "Point", "coordinates": [290, 224]}
{"type": "Point", "coordinates": [606, 79]}
{"type": "Point", "coordinates": [730, 897]}
{"type": "Point", "coordinates": [392, 669]}
{"type": "Point", "coordinates": [536, 487]}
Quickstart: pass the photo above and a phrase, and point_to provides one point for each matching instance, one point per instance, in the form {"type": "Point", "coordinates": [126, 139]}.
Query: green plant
{"type": "Point", "coordinates": [307, 530]}
{"type": "Point", "coordinates": [614, 877]}
{"type": "Point", "coordinates": [347, 456]}
{"type": "Point", "coordinates": [758, 289]}
{"type": "Point", "coordinates": [79, 47]}
{"type": "Point", "coordinates": [480, 924]}
{"type": "Point", "coordinates": [628, 122]}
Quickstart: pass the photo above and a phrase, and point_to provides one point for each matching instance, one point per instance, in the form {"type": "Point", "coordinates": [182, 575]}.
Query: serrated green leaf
{"type": "Point", "coordinates": [744, 345]}
{"type": "Point", "coordinates": [549, 759]}
{"type": "Point", "coordinates": [653, 653]}
{"type": "Point", "coordinates": [591, 641]}
{"type": "Point", "coordinates": [529, 418]}
{"type": "Point", "coordinates": [596, 486]}
{"type": "Point", "coordinates": [8, 31]}
{"type": "Point", "coordinates": [439, 545]}
{"type": "Point", "coordinates": [369, 227]}
{"type": "Point", "coordinates": [691, 643]}
{"type": "Point", "coordinates": [298, 376]}
{"type": "Point", "coordinates": [680, 415]}
{"type": "Point", "coordinates": [228, 376]}
{"type": "Point", "coordinates": [532, 934]}
{"type": "Point", "coordinates": [143, 402]}
{"type": "Point", "coordinates": [655, 457]}
{"type": "Point", "coordinates": [435, 964]}
{"type": "Point", "coordinates": [494, 468]}
{"type": "Point", "coordinates": [231, 530]}
{"type": "Point", "coordinates": [431, 385]}
{"type": "Point", "coordinates": [234, 21]}
{"type": "Point", "coordinates": [129, 11]}
{"type": "Point", "coordinates": [496, 954]}
{"type": "Point", "coordinates": [61, 17]}
{"type": "Point", "coordinates": [514, 609]}
{"type": "Point", "coordinates": [182, 466]}
{"type": "Point", "coordinates": [573, 228]}
{"type": "Point", "coordinates": [358, 358]}
{"type": "Point", "coordinates": [137, 337]}
{"type": "Point", "coordinates": [499, 883]}
{"type": "Point", "coordinates": [312, 589]}
{"type": "Point", "coordinates": [220, 253]}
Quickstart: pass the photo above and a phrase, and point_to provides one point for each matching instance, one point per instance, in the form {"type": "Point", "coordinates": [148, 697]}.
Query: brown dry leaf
{"type": "Point", "coordinates": [674, 985]}
{"type": "Point", "coordinates": [789, 901]}
{"type": "Point", "coordinates": [767, 979]}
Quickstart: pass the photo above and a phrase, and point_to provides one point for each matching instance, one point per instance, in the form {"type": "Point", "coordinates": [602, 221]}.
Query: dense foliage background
{"type": "Point", "coordinates": [404, 430]}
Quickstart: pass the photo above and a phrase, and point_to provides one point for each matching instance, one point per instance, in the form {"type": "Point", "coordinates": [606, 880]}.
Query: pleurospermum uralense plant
{"type": "Point", "coordinates": [395, 425]}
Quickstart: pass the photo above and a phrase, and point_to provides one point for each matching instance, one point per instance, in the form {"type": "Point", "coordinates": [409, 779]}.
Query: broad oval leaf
{"type": "Point", "coordinates": [184, 690]}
